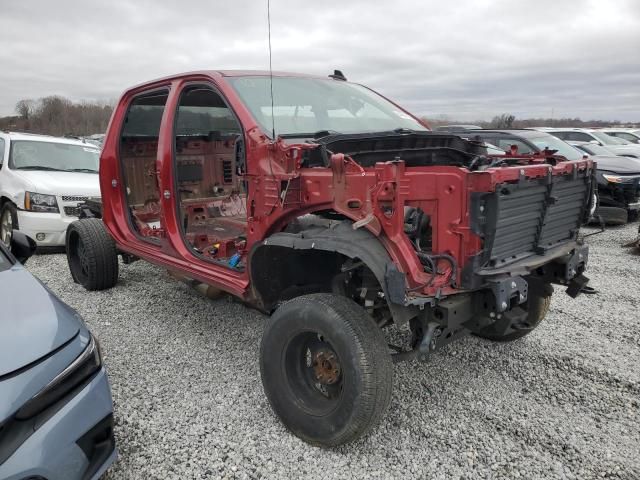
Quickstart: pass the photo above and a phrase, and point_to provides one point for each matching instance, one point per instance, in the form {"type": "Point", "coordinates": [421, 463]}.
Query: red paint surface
{"type": "Point", "coordinates": [442, 192]}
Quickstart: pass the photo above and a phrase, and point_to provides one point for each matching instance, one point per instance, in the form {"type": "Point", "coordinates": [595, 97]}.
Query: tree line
{"type": "Point", "coordinates": [56, 115]}
{"type": "Point", "coordinates": [507, 120]}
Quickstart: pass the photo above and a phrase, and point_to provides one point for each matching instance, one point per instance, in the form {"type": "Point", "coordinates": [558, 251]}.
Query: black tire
{"type": "Point", "coordinates": [92, 254]}
{"type": "Point", "coordinates": [8, 222]}
{"type": "Point", "coordinates": [312, 340]}
{"type": "Point", "coordinates": [613, 215]}
{"type": "Point", "coordinates": [537, 307]}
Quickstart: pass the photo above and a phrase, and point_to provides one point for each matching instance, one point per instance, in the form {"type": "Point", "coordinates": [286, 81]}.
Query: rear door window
{"type": "Point", "coordinates": [563, 135]}
{"type": "Point", "coordinates": [625, 136]}
{"type": "Point", "coordinates": [580, 137]}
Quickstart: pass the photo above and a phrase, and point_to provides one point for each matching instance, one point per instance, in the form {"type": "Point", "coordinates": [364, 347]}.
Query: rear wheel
{"type": "Point", "coordinates": [325, 368]}
{"type": "Point", "coordinates": [92, 254]}
{"type": "Point", "coordinates": [8, 222]}
{"type": "Point", "coordinates": [537, 307]}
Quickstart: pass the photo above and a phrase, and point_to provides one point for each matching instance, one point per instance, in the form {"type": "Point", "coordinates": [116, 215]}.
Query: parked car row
{"type": "Point", "coordinates": [43, 179]}
{"type": "Point", "coordinates": [618, 159]}
{"type": "Point", "coordinates": [618, 175]}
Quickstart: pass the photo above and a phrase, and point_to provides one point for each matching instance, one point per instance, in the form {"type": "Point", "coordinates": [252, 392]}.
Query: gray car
{"type": "Point", "coordinates": [56, 412]}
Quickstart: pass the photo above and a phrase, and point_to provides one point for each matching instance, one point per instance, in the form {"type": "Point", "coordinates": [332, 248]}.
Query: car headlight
{"type": "Point", "coordinates": [83, 367]}
{"type": "Point", "coordinates": [612, 178]}
{"type": "Point", "coordinates": [39, 202]}
{"type": "Point", "coordinates": [619, 178]}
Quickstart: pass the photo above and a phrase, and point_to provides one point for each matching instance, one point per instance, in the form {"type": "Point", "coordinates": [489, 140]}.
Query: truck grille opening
{"type": "Point", "coordinates": [74, 198]}
{"type": "Point", "coordinates": [533, 216]}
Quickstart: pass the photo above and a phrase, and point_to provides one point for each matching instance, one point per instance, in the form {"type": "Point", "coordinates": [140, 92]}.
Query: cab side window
{"type": "Point", "coordinates": [563, 135]}
{"type": "Point", "coordinates": [1, 152]}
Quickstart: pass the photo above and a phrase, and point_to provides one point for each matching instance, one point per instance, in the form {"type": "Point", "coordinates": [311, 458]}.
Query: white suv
{"type": "Point", "coordinates": [42, 181]}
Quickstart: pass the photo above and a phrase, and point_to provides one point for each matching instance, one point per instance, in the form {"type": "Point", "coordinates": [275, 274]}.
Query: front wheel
{"type": "Point", "coordinates": [326, 369]}
{"type": "Point", "coordinates": [537, 307]}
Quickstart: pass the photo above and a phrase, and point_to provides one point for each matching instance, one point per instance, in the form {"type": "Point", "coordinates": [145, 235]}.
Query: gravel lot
{"type": "Point", "coordinates": [561, 403]}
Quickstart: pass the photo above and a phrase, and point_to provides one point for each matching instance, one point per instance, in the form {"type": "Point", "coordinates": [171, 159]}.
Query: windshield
{"type": "Point", "coordinates": [554, 143]}
{"type": "Point", "coordinates": [304, 106]}
{"type": "Point", "coordinates": [30, 155]}
{"type": "Point", "coordinates": [608, 139]}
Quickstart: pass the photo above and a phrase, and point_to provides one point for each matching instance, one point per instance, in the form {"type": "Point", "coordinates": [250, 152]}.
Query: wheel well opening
{"type": "Point", "coordinates": [281, 273]}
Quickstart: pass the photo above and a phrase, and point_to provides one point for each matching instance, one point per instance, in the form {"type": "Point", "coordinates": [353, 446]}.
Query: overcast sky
{"type": "Point", "coordinates": [466, 59]}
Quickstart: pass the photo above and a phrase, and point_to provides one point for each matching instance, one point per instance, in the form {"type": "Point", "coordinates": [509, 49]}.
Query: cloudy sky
{"type": "Point", "coordinates": [463, 59]}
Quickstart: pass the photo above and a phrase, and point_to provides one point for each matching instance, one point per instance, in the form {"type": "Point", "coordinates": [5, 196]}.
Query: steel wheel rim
{"type": "Point", "coordinates": [318, 389]}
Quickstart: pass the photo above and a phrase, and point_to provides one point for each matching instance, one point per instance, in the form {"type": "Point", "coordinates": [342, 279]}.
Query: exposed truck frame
{"type": "Point", "coordinates": [335, 235]}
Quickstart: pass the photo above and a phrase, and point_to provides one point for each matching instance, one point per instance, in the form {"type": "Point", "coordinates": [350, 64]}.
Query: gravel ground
{"type": "Point", "coordinates": [560, 403]}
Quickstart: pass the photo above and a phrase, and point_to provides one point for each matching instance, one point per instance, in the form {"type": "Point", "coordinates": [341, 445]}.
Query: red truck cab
{"type": "Point", "coordinates": [330, 207]}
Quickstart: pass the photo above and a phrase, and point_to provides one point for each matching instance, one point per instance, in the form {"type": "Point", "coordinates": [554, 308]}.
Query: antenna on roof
{"type": "Point", "coordinates": [273, 118]}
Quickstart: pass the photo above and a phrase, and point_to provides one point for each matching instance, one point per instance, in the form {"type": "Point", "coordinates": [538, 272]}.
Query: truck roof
{"type": "Point", "coordinates": [229, 73]}
{"type": "Point", "coordinates": [35, 137]}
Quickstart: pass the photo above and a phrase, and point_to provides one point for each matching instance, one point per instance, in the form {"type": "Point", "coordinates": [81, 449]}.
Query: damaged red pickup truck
{"type": "Point", "coordinates": [338, 213]}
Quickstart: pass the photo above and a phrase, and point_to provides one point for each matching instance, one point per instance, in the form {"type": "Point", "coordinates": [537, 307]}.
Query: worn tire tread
{"type": "Point", "coordinates": [372, 356]}
{"type": "Point", "coordinates": [538, 315]}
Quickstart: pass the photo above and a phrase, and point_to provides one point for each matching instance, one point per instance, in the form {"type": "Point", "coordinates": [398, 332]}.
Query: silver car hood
{"type": "Point", "coordinates": [33, 321]}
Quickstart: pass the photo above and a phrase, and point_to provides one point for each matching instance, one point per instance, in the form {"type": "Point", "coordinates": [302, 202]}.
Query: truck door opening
{"type": "Point", "coordinates": [138, 154]}
{"type": "Point", "coordinates": [211, 198]}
